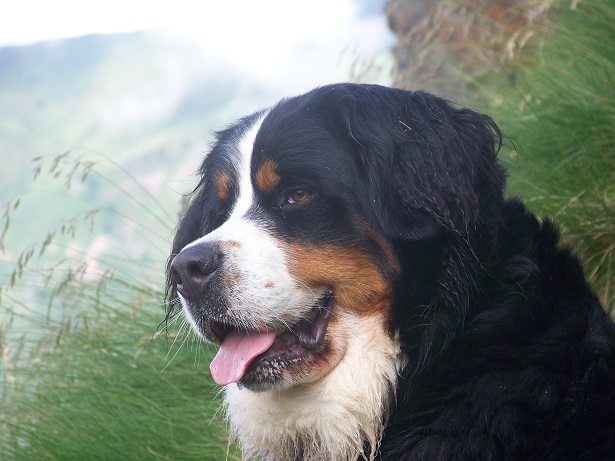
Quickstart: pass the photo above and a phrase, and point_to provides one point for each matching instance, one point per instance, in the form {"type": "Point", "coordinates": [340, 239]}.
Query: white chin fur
{"type": "Point", "coordinates": [329, 418]}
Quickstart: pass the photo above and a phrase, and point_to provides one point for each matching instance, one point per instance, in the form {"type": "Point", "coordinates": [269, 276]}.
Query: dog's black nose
{"type": "Point", "coordinates": [193, 267]}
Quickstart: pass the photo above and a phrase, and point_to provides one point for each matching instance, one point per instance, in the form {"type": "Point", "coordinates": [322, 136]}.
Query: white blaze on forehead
{"type": "Point", "coordinates": [245, 148]}
{"type": "Point", "coordinates": [263, 291]}
{"type": "Point", "coordinates": [242, 159]}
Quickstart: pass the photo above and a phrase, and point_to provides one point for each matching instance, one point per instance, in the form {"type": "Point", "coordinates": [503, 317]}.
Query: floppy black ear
{"type": "Point", "coordinates": [428, 165]}
{"type": "Point", "coordinates": [432, 186]}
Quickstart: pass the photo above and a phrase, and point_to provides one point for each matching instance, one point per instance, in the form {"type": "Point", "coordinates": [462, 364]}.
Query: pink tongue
{"type": "Point", "coordinates": [237, 352]}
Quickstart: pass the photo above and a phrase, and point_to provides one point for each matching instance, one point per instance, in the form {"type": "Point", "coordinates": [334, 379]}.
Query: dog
{"type": "Point", "coordinates": [376, 296]}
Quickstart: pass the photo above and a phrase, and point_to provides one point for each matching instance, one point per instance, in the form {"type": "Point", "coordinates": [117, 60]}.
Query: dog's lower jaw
{"type": "Point", "coordinates": [335, 417]}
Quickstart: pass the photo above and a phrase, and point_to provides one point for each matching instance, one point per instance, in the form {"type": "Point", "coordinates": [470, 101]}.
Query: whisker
{"type": "Point", "coordinates": [170, 322]}
{"type": "Point", "coordinates": [178, 351]}
{"type": "Point", "coordinates": [179, 333]}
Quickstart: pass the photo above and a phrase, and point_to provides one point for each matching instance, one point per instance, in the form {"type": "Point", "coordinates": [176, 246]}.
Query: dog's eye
{"type": "Point", "coordinates": [298, 196]}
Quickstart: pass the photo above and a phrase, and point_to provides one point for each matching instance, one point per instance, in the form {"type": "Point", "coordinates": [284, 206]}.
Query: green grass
{"type": "Point", "coordinates": [560, 117]}
{"type": "Point", "coordinates": [98, 391]}
{"type": "Point", "coordinates": [87, 370]}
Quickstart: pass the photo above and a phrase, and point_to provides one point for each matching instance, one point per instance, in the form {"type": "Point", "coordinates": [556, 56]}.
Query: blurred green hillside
{"type": "Point", "coordinates": [123, 94]}
{"type": "Point", "coordinates": [143, 102]}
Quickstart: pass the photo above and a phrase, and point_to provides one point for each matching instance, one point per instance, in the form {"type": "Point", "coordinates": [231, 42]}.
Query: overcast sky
{"type": "Point", "coordinates": [263, 37]}
{"type": "Point", "coordinates": [239, 25]}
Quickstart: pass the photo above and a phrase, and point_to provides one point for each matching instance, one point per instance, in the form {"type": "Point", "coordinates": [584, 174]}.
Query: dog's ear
{"type": "Point", "coordinates": [430, 175]}
{"type": "Point", "coordinates": [428, 166]}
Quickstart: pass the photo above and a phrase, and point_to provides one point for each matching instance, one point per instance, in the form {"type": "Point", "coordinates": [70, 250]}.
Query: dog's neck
{"type": "Point", "coordinates": [335, 417]}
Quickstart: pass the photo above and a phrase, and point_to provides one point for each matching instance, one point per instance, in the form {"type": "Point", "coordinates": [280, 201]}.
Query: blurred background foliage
{"type": "Point", "coordinates": [88, 370]}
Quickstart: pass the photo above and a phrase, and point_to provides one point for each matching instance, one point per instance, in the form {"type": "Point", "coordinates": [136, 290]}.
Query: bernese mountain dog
{"type": "Point", "coordinates": [375, 296]}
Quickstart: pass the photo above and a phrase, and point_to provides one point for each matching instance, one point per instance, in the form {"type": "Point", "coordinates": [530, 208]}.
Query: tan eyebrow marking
{"type": "Point", "coordinates": [267, 177]}
{"type": "Point", "coordinates": [223, 186]}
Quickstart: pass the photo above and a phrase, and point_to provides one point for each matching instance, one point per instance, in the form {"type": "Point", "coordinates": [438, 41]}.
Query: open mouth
{"type": "Point", "coordinates": [262, 355]}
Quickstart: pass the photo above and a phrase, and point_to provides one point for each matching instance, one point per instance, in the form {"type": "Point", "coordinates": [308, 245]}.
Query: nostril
{"type": "Point", "coordinates": [200, 268]}
{"type": "Point", "coordinates": [192, 269]}
{"type": "Point", "coordinates": [176, 277]}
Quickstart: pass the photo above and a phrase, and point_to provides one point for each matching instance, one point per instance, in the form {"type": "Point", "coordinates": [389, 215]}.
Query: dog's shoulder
{"type": "Point", "coordinates": [532, 372]}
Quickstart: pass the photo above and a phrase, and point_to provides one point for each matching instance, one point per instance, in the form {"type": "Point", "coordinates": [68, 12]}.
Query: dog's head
{"type": "Point", "coordinates": [290, 246]}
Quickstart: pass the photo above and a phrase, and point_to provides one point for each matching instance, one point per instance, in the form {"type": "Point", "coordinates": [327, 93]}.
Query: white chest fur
{"type": "Point", "coordinates": [331, 418]}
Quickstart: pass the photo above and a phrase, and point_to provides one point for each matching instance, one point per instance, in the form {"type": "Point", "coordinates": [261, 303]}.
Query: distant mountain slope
{"type": "Point", "coordinates": [124, 95]}
{"type": "Point", "coordinates": [145, 103]}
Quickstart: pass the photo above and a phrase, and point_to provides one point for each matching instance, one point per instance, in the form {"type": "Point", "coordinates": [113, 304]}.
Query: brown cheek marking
{"type": "Point", "coordinates": [358, 283]}
{"type": "Point", "coordinates": [223, 186]}
{"type": "Point", "coordinates": [230, 279]}
{"type": "Point", "coordinates": [267, 177]}
{"type": "Point", "coordinates": [384, 246]}
{"type": "Point", "coordinates": [270, 285]}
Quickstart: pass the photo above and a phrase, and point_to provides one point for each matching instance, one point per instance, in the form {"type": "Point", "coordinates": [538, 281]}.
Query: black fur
{"type": "Point", "coordinates": [529, 372]}
{"type": "Point", "coordinates": [510, 355]}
